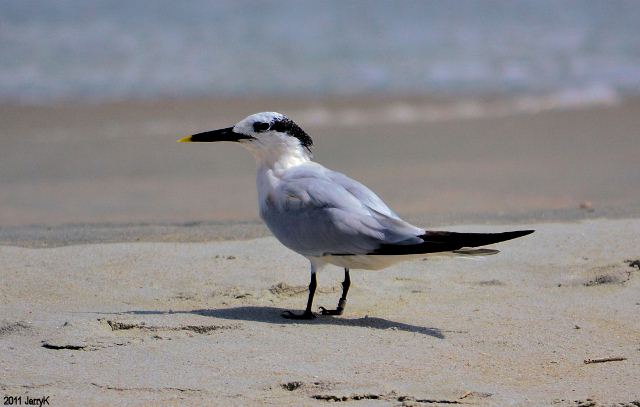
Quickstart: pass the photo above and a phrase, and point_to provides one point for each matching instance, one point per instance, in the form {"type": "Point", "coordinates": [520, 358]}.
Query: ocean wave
{"type": "Point", "coordinates": [407, 113]}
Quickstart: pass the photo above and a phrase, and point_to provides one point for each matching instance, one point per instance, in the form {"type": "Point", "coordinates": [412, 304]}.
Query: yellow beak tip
{"type": "Point", "coordinates": [185, 140]}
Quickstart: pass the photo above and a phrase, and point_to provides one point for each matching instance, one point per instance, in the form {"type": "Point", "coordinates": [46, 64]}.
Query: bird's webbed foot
{"type": "Point", "coordinates": [338, 311]}
{"type": "Point", "coordinates": [307, 314]}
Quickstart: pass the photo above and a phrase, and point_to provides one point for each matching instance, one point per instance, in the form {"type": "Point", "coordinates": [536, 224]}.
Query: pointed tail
{"type": "Point", "coordinates": [441, 241]}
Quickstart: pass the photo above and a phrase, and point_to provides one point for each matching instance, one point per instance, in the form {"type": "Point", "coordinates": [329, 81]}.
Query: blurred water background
{"type": "Point", "coordinates": [101, 50]}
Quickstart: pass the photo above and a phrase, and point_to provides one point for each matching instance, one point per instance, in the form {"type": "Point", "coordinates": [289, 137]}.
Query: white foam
{"type": "Point", "coordinates": [405, 113]}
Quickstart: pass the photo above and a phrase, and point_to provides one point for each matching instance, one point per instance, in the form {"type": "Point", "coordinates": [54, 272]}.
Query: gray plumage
{"type": "Point", "coordinates": [316, 211]}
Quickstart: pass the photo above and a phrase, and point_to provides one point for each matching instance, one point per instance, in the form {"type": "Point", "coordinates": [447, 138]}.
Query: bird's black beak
{"type": "Point", "coordinates": [215, 135]}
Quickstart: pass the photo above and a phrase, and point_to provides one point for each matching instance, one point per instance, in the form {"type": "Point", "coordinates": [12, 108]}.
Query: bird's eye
{"type": "Point", "coordinates": [260, 126]}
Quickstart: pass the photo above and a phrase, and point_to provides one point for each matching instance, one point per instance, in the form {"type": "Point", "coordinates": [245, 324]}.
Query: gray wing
{"type": "Point", "coordinates": [316, 211]}
{"type": "Point", "coordinates": [366, 196]}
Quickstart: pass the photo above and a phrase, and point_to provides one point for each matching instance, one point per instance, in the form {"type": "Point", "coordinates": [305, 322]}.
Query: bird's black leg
{"type": "Point", "coordinates": [307, 314]}
{"type": "Point", "coordinates": [343, 300]}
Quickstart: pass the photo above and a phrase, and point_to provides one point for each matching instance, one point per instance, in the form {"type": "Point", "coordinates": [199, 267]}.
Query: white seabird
{"type": "Point", "coordinates": [328, 217]}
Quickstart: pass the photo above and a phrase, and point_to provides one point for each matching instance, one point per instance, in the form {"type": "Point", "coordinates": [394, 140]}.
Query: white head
{"type": "Point", "coordinates": [270, 136]}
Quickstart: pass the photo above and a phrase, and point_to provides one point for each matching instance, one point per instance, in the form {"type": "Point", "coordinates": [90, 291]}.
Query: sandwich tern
{"type": "Point", "coordinates": [328, 217]}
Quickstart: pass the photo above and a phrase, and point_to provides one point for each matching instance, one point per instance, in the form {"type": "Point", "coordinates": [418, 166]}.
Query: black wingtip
{"type": "Point", "coordinates": [520, 233]}
{"type": "Point", "coordinates": [482, 239]}
{"type": "Point", "coordinates": [442, 241]}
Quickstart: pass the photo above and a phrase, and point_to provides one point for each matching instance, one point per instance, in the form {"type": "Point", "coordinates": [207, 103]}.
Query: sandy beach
{"type": "Point", "coordinates": [199, 323]}
{"type": "Point", "coordinates": [135, 271]}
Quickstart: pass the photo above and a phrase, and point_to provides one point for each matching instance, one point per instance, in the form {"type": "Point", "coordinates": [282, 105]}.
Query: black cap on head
{"type": "Point", "coordinates": [288, 126]}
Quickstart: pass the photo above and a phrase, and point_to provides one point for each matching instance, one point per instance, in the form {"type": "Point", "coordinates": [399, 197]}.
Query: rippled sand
{"type": "Point", "coordinates": [199, 323]}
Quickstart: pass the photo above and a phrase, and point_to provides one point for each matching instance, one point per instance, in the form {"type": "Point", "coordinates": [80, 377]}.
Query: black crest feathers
{"type": "Point", "coordinates": [288, 126]}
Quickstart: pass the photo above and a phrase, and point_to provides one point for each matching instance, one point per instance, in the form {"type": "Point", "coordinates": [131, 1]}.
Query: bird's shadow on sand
{"type": "Point", "coordinates": [272, 315]}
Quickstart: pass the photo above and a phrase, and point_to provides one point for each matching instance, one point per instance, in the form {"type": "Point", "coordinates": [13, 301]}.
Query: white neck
{"type": "Point", "coordinates": [273, 162]}
{"type": "Point", "coordinates": [279, 158]}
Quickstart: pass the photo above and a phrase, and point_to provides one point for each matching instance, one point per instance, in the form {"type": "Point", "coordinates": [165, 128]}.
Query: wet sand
{"type": "Point", "coordinates": [119, 163]}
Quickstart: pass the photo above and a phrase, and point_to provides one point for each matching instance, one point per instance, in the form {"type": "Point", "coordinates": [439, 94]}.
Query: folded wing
{"type": "Point", "coordinates": [316, 212]}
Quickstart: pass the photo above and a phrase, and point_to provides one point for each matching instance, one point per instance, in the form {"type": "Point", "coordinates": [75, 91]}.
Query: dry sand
{"type": "Point", "coordinates": [134, 271]}
{"type": "Point", "coordinates": [170, 323]}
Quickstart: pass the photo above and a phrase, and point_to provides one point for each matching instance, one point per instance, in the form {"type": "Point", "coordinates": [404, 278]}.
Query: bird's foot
{"type": "Point", "coordinates": [337, 311]}
{"type": "Point", "coordinates": [305, 315]}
